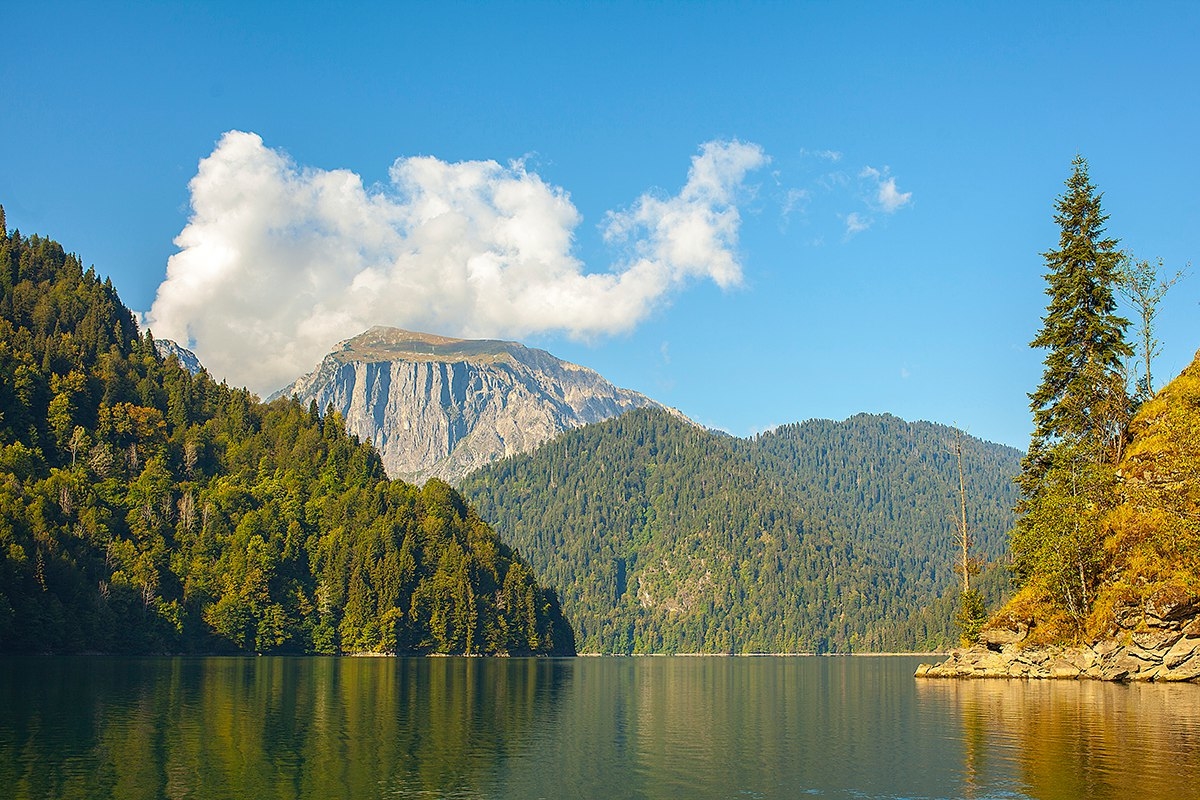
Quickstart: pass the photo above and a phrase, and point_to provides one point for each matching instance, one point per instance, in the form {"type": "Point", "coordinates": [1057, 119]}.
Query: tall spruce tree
{"type": "Point", "coordinates": [1081, 409]}
{"type": "Point", "coordinates": [1082, 387]}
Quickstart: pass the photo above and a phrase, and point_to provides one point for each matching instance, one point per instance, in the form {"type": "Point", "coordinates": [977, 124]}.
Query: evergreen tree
{"type": "Point", "coordinates": [1082, 387]}
{"type": "Point", "coordinates": [1081, 409]}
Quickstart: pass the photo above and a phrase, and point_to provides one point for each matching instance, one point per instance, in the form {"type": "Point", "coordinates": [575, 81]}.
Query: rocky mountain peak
{"type": "Point", "coordinates": [187, 359]}
{"type": "Point", "coordinates": [441, 407]}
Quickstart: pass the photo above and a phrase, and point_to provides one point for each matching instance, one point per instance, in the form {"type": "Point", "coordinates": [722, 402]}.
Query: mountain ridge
{"type": "Point", "coordinates": [437, 406]}
{"type": "Point", "coordinates": [819, 536]}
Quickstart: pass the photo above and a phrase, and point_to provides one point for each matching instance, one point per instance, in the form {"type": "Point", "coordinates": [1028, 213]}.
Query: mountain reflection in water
{"type": "Point", "coordinates": [833, 727]}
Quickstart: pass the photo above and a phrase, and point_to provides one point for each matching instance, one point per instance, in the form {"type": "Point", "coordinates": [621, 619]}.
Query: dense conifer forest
{"type": "Point", "coordinates": [816, 537]}
{"type": "Point", "coordinates": [146, 509]}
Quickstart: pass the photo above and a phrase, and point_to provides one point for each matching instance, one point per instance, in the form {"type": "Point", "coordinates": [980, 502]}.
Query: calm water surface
{"type": "Point", "coordinates": [580, 728]}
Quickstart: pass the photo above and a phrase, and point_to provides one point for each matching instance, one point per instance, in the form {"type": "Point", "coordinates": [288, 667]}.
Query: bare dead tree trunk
{"type": "Point", "coordinates": [964, 538]}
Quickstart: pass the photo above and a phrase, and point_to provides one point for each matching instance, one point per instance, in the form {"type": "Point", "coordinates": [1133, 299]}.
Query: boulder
{"type": "Point", "coordinates": [1183, 650]}
{"type": "Point", "coordinates": [1064, 668]}
{"type": "Point", "coordinates": [1162, 611]}
{"type": "Point", "coordinates": [1128, 617]}
{"type": "Point", "coordinates": [997, 638]}
{"type": "Point", "coordinates": [1156, 638]}
{"type": "Point", "coordinates": [1188, 670]}
{"type": "Point", "coordinates": [1156, 654]}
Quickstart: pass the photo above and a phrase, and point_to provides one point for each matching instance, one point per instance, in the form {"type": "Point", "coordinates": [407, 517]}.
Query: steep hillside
{"type": "Point", "coordinates": [1144, 619]}
{"type": "Point", "coordinates": [147, 509]}
{"type": "Point", "coordinates": [440, 407]}
{"type": "Point", "coordinates": [822, 536]}
{"type": "Point", "coordinates": [1150, 555]}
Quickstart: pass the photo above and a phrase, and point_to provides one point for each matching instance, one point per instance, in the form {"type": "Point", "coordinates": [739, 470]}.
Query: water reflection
{"type": "Point", "coordinates": [603, 728]}
{"type": "Point", "coordinates": [268, 727]}
{"type": "Point", "coordinates": [1075, 739]}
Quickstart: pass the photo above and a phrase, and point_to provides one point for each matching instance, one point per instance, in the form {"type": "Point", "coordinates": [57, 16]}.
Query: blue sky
{"type": "Point", "coordinates": [871, 184]}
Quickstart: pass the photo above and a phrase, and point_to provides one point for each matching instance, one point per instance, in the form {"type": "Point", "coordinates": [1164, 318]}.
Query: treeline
{"type": "Point", "coordinates": [815, 537]}
{"type": "Point", "coordinates": [147, 509]}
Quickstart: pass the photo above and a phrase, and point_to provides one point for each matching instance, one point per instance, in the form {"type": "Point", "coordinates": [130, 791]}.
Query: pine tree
{"type": "Point", "coordinates": [1081, 409]}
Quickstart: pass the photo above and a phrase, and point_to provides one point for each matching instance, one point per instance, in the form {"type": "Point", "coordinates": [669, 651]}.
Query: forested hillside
{"type": "Point", "coordinates": [821, 536]}
{"type": "Point", "coordinates": [146, 509]}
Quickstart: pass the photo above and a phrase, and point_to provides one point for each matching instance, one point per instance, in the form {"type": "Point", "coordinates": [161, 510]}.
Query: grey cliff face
{"type": "Point", "coordinates": [438, 407]}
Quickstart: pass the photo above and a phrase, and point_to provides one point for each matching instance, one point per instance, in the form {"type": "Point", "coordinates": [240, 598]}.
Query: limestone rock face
{"type": "Point", "coordinates": [440, 407]}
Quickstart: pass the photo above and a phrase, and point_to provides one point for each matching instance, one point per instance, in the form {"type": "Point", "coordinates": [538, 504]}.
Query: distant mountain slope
{"type": "Point", "coordinates": [440, 407]}
{"type": "Point", "coordinates": [821, 536]}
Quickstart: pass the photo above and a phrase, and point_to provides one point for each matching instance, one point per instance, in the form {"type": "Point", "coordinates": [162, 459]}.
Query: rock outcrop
{"type": "Point", "coordinates": [440, 407]}
{"type": "Point", "coordinates": [1154, 642]}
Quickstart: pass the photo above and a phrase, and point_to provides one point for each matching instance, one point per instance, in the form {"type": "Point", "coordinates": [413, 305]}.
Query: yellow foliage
{"type": "Point", "coordinates": [1152, 533]}
{"type": "Point", "coordinates": [1032, 606]}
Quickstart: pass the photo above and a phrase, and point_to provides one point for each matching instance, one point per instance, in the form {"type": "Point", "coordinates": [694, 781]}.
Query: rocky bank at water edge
{"type": "Point", "coordinates": [1154, 642]}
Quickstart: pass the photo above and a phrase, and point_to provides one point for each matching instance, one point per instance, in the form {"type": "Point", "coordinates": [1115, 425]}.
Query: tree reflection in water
{"type": "Point", "coordinates": [1075, 739]}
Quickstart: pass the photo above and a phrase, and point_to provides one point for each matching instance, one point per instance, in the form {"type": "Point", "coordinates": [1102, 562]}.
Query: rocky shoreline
{"type": "Point", "coordinates": [1155, 642]}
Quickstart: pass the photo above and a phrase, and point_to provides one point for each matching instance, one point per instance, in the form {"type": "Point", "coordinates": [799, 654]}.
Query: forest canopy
{"type": "Point", "coordinates": [147, 509]}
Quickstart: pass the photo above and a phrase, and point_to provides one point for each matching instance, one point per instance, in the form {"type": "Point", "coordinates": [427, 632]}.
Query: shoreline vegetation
{"type": "Point", "coordinates": [1144, 624]}
{"type": "Point", "coordinates": [1106, 550]}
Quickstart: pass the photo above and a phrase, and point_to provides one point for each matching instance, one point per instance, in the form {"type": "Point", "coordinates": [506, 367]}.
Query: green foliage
{"type": "Point", "coordinates": [146, 509]}
{"type": "Point", "coordinates": [1081, 399]}
{"type": "Point", "coordinates": [1058, 540]}
{"type": "Point", "coordinates": [971, 616]}
{"type": "Point", "coordinates": [1144, 289]}
{"type": "Point", "coordinates": [821, 536]}
{"type": "Point", "coordinates": [1081, 411]}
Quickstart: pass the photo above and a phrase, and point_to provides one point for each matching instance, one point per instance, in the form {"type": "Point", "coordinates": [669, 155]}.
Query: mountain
{"type": "Point", "coordinates": [187, 359]}
{"type": "Point", "coordinates": [816, 537]}
{"type": "Point", "coordinates": [146, 509]}
{"type": "Point", "coordinates": [441, 407]}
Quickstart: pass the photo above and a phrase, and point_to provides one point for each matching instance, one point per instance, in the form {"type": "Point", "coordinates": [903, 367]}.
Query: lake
{"type": "Point", "coordinates": [669, 727]}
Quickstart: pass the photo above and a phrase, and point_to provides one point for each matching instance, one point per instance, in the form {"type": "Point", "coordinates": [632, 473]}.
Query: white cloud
{"type": "Point", "coordinates": [888, 198]}
{"type": "Point", "coordinates": [856, 223]}
{"type": "Point", "coordinates": [795, 200]}
{"type": "Point", "coordinates": [279, 262]}
{"type": "Point", "coordinates": [824, 155]}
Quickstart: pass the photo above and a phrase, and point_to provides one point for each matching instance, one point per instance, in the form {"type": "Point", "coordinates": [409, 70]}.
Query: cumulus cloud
{"type": "Point", "coordinates": [278, 262]}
